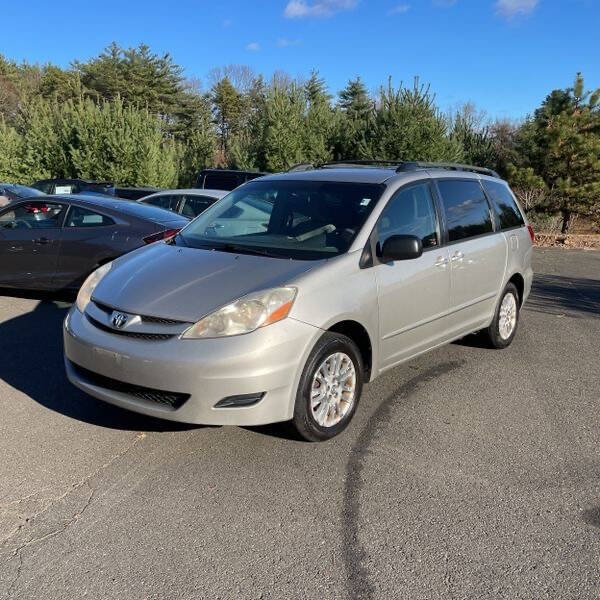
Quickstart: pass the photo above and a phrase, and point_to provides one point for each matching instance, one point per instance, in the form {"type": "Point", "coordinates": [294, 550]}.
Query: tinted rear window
{"type": "Point", "coordinates": [223, 181]}
{"type": "Point", "coordinates": [504, 204]}
{"type": "Point", "coordinates": [466, 209]}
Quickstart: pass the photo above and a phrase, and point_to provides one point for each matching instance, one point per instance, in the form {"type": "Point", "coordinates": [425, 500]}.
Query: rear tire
{"type": "Point", "coordinates": [329, 389]}
{"type": "Point", "coordinates": [503, 328]}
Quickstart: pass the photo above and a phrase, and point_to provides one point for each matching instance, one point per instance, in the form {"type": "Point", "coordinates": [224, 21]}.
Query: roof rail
{"type": "Point", "coordinates": [415, 165]}
{"type": "Point", "coordinates": [301, 167]}
{"type": "Point", "coordinates": [361, 163]}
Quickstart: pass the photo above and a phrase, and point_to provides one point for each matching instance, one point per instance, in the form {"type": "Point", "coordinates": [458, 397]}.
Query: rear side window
{"type": "Point", "coordinates": [167, 202]}
{"type": "Point", "coordinates": [194, 205]}
{"type": "Point", "coordinates": [82, 217]}
{"type": "Point", "coordinates": [504, 204]}
{"type": "Point", "coordinates": [410, 212]}
{"type": "Point", "coordinates": [466, 209]}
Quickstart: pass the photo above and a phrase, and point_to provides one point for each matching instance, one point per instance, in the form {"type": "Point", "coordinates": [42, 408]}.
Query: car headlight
{"type": "Point", "coordinates": [89, 285]}
{"type": "Point", "coordinates": [245, 315]}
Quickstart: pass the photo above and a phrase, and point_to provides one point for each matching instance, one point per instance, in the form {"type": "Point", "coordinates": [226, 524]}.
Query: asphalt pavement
{"type": "Point", "coordinates": [467, 473]}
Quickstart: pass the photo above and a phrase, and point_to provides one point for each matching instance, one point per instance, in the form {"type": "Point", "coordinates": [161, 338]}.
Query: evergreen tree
{"type": "Point", "coordinates": [316, 90]}
{"type": "Point", "coordinates": [354, 118]}
{"type": "Point", "coordinates": [11, 147]}
{"type": "Point", "coordinates": [283, 127]}
{"type": "Point", "coordinates": [562, 145]}
{"type": "Point", "coordinates": [354, 100]}
{"type": "Point", "coordinates": [408, 126]}
{"type": "Point", "coordinates": [468, 129]}
{"type": "Point", "coordinates": [229, 105]}
{"type": "Point", "coordinates": [319, 121]}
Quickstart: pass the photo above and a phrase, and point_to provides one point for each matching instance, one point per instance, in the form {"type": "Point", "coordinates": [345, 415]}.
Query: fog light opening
{"type": "Point", "coordinates": [241, 400]}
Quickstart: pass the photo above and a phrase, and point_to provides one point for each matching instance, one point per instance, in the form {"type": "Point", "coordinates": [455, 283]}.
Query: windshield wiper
{"type": "Point", "coordinates": [229, 247]}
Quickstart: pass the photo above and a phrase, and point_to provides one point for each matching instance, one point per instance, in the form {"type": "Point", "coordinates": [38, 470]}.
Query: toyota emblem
{"type": "Point", "coordinates": [119, 320]}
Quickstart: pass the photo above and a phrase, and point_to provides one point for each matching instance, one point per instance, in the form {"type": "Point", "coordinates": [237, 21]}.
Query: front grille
{"type": "Point", "coordinates": [173, 400]}
{"type": "Point", "coordinates": [161, 321]}
{"type": "Point", "coordinates": [150, 337]}
{"type": "Point", "coordinates": [146, 319]}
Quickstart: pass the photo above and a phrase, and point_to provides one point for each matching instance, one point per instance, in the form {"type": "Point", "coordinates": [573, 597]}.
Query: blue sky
{"type": "Point", "coordinates": [504, 55]}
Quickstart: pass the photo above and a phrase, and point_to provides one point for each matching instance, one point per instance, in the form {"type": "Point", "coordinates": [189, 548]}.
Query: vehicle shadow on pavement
{"type": "Point", "coordinates": [31, 348]}
{"type": "Point", "coordinates": [574, 296]}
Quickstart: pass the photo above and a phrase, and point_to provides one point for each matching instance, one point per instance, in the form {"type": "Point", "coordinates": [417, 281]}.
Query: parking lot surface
{"type": "Point", "coordinates": [467, 473]}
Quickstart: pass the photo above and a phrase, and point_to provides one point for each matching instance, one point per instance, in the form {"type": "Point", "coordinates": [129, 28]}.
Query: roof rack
{"type": "Point", "coordinates": [398, 165]}
{"type": "Point", "coordinates": [301, 167]}
{"type": "Point", "coordinates": [415, 165]}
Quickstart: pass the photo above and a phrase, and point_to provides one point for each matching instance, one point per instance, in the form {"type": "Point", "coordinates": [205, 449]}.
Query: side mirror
{"type": "Point", "coordinates": [401, 247]}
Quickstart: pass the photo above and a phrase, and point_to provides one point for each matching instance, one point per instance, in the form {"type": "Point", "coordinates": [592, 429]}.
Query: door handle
{"type": "Point", "coordinates": [441, 261]}
{"type": "Point", "coordinates": [457, 256]}
{"type": "Point", "coordinates": [41, 241]}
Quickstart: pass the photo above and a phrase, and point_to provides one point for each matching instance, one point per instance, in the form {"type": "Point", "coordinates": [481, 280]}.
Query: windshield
{"type": "Point", "coordinates": [304, 220]}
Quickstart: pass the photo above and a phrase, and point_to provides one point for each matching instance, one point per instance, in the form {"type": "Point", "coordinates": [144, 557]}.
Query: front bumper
{"type": "Point", "coordinates": [269, 360]}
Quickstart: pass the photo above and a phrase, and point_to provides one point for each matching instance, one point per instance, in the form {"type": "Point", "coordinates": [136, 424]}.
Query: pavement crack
{"type": "Point", "coordinates": [358, 582]}
{"type": "Point", "coordinates": [85, 481]}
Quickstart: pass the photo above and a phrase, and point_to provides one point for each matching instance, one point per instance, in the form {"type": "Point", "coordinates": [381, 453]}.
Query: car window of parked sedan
{"type": "Point", "coordinates": [166, 201]}
{"type": "Point", "coordinates": [194, 205]}
{"type": "Point", "coordinates": [33, 215]}
{"type": "Point", "coordinates": [82, 217]}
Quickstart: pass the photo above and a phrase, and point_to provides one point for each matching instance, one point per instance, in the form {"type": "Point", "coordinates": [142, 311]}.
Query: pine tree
{"type": "Point", "coordinates": [229, 105]}
{"type": "Point", "coordinates": [11, 147]}
{"type": "Point", "coordinates": [283, 127]}
{"type": "Point", "coordinates": [319, 121]}
{"type": "Point", "coordinates": [354, 100]}
{"type": "Point", "coordinates": [562, 145]}
{"type": "Point", "coordinates": [408, 126]}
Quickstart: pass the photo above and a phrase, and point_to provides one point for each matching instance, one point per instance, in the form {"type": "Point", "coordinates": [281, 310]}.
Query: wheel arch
{"type": "Point", "coordinates": [360, 336]}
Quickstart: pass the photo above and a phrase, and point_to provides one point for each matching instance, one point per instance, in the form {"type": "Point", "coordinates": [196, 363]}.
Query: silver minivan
{"type": "Point", "coordinates": [282, 299]}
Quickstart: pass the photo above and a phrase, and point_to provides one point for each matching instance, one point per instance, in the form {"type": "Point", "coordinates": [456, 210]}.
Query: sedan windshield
{"type": "Point", "coordinates": [304, 220]}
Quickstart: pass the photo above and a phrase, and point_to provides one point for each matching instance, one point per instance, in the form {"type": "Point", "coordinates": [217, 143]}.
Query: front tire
{"type": "Point", "coordinates": [503, 328]}
{"type": "Point", "coordinates": [329, 389]}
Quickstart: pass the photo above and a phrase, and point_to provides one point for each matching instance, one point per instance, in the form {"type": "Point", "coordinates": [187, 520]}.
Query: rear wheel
{"type": "Point", "coordinates": [503, 328]}
{"type": "Point", "coordinates": [329, 389]}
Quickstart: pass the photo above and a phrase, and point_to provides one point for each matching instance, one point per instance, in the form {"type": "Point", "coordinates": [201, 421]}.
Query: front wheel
{"type": "Point", "coordinates": [503, 328]}
{"type": "Point", "coordinates": [329, 389]}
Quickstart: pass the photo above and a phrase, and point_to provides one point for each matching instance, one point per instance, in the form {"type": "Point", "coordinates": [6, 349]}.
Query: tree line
{"type": "Point", "coordinates": [129, 115]}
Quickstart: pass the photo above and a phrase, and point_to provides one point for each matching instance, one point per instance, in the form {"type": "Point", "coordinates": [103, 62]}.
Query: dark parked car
{"type": "Point", "coordinates": [84, 186]}
{"type": "Point", "coordinates": [224, 179]}
{"type": "Point", "coordinates": [74, 186]}
{"type": "Point", "coordinates": [55, 242]}
{"type": "Point", "coordinates": [9, 192]}
{"type": "Point", "coordinates": [189, 203]}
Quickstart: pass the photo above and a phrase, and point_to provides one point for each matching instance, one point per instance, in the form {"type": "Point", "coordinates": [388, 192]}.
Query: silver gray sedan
{"type": "Point", "coordinates": [189, 203]}
{"type": "Point", "coordinates": [279, 301]}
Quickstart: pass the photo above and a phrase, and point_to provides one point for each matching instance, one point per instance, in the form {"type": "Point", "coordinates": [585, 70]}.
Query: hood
{"type": "Point", "coordinates": [175, 282]}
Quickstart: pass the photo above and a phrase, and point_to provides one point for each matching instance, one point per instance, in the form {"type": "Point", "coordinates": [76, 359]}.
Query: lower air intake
{"type": "Point", "coordinates": [173, 400]}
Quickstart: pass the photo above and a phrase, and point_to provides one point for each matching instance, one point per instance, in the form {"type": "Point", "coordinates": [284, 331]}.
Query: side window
{"type": "Point", "coordinates": [166, 201]}
{"type": "Point", "coordinates": [410, 212]}
{"type": "Point", "coordinates": [194, 205]}
{"type": "Point", "coordinates": [504, 204]}
{"type": "Point", "coordinates": [466, 209]}
{"type": "Point", "coordinates": [82, 217]}
{"type": "Point", "coordinates": [33, 215]}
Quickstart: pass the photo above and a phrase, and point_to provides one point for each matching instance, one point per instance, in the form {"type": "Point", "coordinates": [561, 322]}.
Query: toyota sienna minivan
{"type": "Point", "coordinates": [283, 298]}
